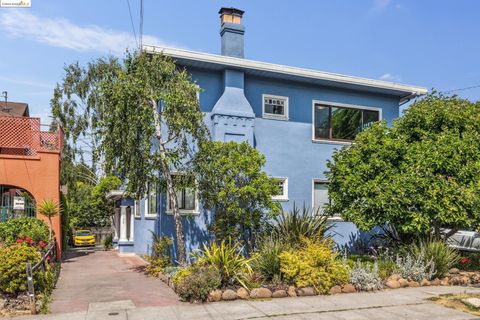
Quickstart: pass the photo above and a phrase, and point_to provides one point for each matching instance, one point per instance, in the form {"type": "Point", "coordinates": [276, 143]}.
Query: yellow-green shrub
{"type": "Point", "coordinates": [13, 261]}
{"type": "Point", "coordinates": [313, 264]}
{"type": "Point", "coordinates": [181, 274]}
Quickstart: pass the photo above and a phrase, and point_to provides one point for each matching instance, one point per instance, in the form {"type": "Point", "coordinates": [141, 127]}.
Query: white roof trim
{"type": "Point", "coordinates": [115, 194]}
{"type": "Point", "coordinates": [270, 67]}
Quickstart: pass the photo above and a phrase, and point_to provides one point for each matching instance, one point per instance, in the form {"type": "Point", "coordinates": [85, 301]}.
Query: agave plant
{"type": "Point", "coordinates": [228, 259]}
{"type": "Point", "coordinates": [290, 227]}
{"type": "Point", "coordinates": [49, 209]}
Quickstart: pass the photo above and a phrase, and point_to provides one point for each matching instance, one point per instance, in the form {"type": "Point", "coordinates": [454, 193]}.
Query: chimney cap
{"type": "Point", "coordinates": [231, 11]}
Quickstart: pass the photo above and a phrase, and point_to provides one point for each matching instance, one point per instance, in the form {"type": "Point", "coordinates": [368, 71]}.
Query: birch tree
{"type": "Point", "coordinates": [148, 123]}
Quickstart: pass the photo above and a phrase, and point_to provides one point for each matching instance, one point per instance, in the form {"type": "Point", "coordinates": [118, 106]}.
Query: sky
{"type": "Point", "coordinates": [428, 43]}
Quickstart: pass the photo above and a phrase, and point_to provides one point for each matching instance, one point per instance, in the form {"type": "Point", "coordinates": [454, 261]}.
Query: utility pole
{"type": "Point", "coordinates": [141, 26]}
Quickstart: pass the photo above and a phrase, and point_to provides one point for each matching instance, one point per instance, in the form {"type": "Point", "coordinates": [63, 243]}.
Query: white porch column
{"type": "Point", "coordinates": [116, 224]}
{"type": "Point", "coordinates": [132, 223]}
{"type": "Point", "coordinates": [123, 223]}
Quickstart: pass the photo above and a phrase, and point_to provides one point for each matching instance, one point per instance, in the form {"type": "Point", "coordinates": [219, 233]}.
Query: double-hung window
{"type": "Point", "coordinates": [275, 107]}
{"type": "Point", "coordinates": [186, 193]}
{"type": "Point", "coordinates": [151, 205]}
{"type": "Point", "coordinates": [342, 122]}
{"type": "Point", "coordinates": [320, 197]}
{"type": "Point", "coordinates": [282, 190]}
{"type": "Point", "coordinates": [137, 209]}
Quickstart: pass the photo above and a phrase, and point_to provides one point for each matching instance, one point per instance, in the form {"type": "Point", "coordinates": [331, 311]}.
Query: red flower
{"type": "Point", "coordinates": [21, 237]}
{"type": "Point", "coordinates": [464, 260]}
{"type": "Point", "coordinates": [28, 239]}
{"type": "Point", "coordinates": [19, 241]}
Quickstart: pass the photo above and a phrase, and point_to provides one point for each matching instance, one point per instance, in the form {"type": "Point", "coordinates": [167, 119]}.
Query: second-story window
{"type": "Point", "coordinates": [275, 107]}
{"type": "Point", "coordinates": [332, 122]}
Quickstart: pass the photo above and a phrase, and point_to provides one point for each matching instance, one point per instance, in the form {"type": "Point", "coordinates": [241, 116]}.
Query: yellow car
{"type": "Point", "coordinates": [83, 238]}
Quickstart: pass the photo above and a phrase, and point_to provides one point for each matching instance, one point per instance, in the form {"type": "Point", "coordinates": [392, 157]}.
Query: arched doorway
{"type": "Point", "coordinates": [16, 202]}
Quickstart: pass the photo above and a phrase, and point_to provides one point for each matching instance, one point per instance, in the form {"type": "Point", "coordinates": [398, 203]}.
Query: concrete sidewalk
{"type": "Point", "coordinates": [408, 303]}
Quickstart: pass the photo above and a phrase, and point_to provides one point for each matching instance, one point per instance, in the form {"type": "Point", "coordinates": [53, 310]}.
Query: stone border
{"type": "Point", "coordinates": [395, 281]}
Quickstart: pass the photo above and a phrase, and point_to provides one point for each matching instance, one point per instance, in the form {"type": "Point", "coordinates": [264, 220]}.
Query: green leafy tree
{"type": "Point", "coordinates": [419, 175]}
{"type": "Point", "coordinates": [144, 117]}
{"type": "Point", "coordinates": [232, 184]}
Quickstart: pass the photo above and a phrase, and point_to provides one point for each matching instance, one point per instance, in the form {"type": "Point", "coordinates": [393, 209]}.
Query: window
{"type": "Point", "coordinates": [320, 196]}
{"type": "Point", "coordinates": [340, 122]}
{"type": "Point", "coordinates": [275, 107]}
{"type": "Point", "coordinates": [186, 194]}
{"type": "Point", "coordinates": [151, 204]}
{"type": "Point", "coordinates": [283, 190]}
{"type": "Point", "coordinates": [137, 208]}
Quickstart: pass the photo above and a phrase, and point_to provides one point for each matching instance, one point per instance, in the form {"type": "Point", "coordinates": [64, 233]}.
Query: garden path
{"type": "Point", "coordinates": [92, 276]}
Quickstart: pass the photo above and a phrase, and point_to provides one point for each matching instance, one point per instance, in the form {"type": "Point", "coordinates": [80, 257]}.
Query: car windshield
{"type": "Point", "coordinates": [83, 233]}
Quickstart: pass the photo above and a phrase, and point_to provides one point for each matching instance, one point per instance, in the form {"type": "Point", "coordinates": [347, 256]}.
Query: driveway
{"type": "Point", "coordinates": [408, 303]}
{"type": "Point", "coordinates": [91, 276]}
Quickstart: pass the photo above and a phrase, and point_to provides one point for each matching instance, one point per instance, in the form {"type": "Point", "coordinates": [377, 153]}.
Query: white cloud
{"type": "Point", "coordinates": [390, 77]}
{"type": "Point", "coordinates": [60, 32]}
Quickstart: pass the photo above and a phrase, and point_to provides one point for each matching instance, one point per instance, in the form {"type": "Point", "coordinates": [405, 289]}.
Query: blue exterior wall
{"type": "Point", "coordinates": [287, 146]}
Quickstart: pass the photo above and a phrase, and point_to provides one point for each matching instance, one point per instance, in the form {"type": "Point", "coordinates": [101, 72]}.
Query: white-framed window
{"type": "Point", "coordinates": [282, 188]}
{"type": "Point", "coordinates": [339, 122]}
{"type": "Point", "coordinates": [320, 198]}
{"type": "Point", "coordinates": [151, 202]}
{"type": "Point", "coordinates": [187, 195]}
{"type": "Point", "coordinates": [136, 211]}
{"type": "Point", "coordinates": [274, 107]}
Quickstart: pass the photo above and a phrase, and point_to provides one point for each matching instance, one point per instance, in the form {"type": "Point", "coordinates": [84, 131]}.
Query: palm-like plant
{"type": "Point", "coordinates": [49, 209]}
{"type": "Point", "coordinates": [228, 259]}
{"type": "Point", "coordinates": [290, 227]}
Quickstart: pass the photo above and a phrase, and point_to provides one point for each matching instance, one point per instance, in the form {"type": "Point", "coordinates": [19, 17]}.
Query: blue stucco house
{"type": "Point", "coordinates": [295, 117]}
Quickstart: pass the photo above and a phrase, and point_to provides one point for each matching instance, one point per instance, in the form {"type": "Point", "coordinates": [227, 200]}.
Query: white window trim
{"type": "Point", "coordinates": [136, 204]}
{"type": "Point", "coordinates": [284, 196]}
{"type": "Point", "coordinates": [284, 117]}
{"type": "Point", "coordinates": [342, 105]}
{"type": "Point", "coordinates": [149, 215]}
{"type": "Point", "coordinates": [195, 211]}
{"type": "Point", "coordinates": [319, 180]}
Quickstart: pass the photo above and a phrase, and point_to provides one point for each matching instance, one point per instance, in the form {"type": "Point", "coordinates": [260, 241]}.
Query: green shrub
{"type": "Point", "coordinates": [156, 265]}
{"type": "Point", "coordinates": [313, 264]}
{"type": "Point", "coordinates": [108, 242]}
{"type": "Point", "coordinates": [386, 266]}
{"type": "Point", "coordinates": [161, 246]}
{"type": "Point", "coordinates": [267, 264]}
{"type": "Point", "coordinates": [442, 256]}
{"type": "Point", "coordinates": [181, 274]}
{"type": "Point", "coordinates": [12, 229]}
{"type": "Point", "coordinates": [199, 283]}
{"type": "Point", "coordinates": [227, 258]}
{"type": "Point", "coordinates": [470, 261]}
{"type": "Point", "coordinates": [291, 227]}
{"type": "Point", "coordinates": [13, 261]}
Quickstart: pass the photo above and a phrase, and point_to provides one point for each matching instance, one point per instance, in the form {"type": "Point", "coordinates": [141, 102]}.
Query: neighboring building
{"type": "Point", "coordinates": [30, 155]}
{"type": "Point", "coordinates": [295, 117]}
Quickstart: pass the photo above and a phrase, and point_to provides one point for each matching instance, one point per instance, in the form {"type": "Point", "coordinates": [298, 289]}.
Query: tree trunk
{"type": "Point", "coordinates": [181, 256]}
{"type": "Point", "coordinates": [50, 229]}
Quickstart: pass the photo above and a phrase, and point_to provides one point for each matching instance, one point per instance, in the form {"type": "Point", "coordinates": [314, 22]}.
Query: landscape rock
{"type": "Point", "coordinates": [392, 284]}
{"type": "Point", "coordinates": [215, 295]}
{"type": "Point", "coordinates": [242, 293]}
{"type": "Point", "coordinates": [2, 303]}
{"type": "Point", "coordinates": [335, 290]}
{"type": "Point", "coordinates": [455, 281]}
{"type": "Point", "coordinates": [228, 295]}
{"type": "Point", "coordinates": [454, 271]}
{"type": "Point", "coordinates": [307, 291]}
{"type": "Point", "coordinates": [348, 288]}
{"type": "Point", "coordinates": [444, 281]}
{"type": "Point", "coordinates": [292, 292]}
{"type": "Point", "coordinates": [279, 294]}
{"type": "Point", "coordinates": [435, 282]}
{"type": "Point", "coordinates": [425, 283]}
{"type": "Point", "coordinates": [403, 283]}
{"type": "Point", "coordinates": [413, 284]}
{"type": "Point", "coordinates": [394, 277]}
{"type": "Point", "coordinates": [260, 293]}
